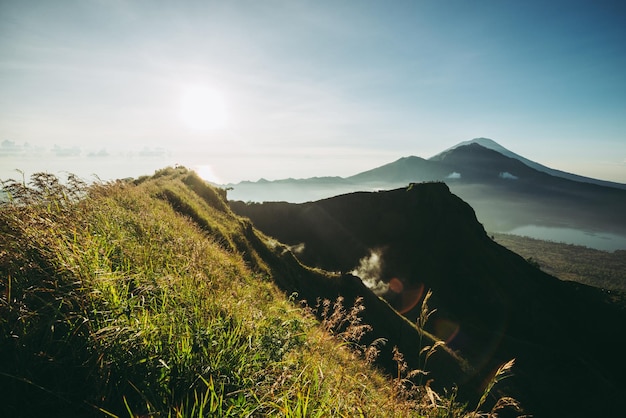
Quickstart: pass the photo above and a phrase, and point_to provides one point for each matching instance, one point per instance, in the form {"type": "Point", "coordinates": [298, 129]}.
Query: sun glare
{"type": "Point", "coordinates": [206, 172]}
{"type": "Point", "coordinates": [203, 108]}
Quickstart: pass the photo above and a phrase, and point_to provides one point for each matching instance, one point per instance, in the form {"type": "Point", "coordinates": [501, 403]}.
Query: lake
{"type": "Point", "coordinates": [605, 241]}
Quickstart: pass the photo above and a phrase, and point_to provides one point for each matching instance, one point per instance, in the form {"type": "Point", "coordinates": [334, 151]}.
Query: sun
{"type": "Point", "coordinates": [203, 108]}
{"type": "Point", "coordinates": [206, 172]}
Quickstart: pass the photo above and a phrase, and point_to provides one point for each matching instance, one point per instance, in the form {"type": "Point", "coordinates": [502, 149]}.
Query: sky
{"type": "Point", "coordinates": [242, 90]}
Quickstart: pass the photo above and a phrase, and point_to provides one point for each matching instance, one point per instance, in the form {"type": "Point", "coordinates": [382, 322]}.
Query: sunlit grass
{"type": "Point", "coordinates": [147, 299]}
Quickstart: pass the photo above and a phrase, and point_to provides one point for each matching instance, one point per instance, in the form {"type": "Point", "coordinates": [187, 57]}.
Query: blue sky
{"type": "Point", "coordinates": [246, 89]}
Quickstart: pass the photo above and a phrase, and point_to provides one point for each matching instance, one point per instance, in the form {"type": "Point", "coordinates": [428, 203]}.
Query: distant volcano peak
{"type": "Point", "coordinates": [484, 142]}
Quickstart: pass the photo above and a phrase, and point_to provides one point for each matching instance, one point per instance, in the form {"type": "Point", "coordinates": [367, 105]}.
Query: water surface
{"type": "Point", "coordinates": [605, 241]}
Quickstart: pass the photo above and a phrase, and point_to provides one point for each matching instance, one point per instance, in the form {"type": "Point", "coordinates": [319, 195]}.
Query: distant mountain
{"type": "Point", "coordinates": [403, 171]}
{"type": "Point", "coordinates": [464, 164]}
{"type": "Point", "coordinates": [485, 142]}
{"type": "Point", "coordinates": [493, 145]}
{"type": "Point", "coordinates": [506, 190]}
{"type": "Point", "coordinates": [491, 304]}
{"type": "Point", "coordinates": [507, 193]}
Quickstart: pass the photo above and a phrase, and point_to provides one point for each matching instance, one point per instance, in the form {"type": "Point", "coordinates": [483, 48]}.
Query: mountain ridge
{"type": "Point", "coordinates": [491, 304]}
{"type": "Point", "coordinates": [505, 192]}
{"type": "Point", "coordinates": [418, 163]}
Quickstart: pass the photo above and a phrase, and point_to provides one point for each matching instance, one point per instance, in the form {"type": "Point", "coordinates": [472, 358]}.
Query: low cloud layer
{"type": "Point", "coordinates": [369, 271]}
{"type": "Point", "coordinates": [10, 148]}
{"type": "Point", "coordinates": [13, 149]}
{"type": "Point", "coordinates": [100, 154]}
{"type": "Point", "coordinates": [66, 151]}
{"type": "Point", "coordinates": [153, 152]}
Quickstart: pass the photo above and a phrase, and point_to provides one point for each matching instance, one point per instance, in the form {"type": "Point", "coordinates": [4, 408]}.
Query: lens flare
{"type": "Point", "coordinates": [396, 286]}
{"type": "Point", "coordinates": [446, 329]}
{"type": "Point", "coordinates": [408, 298]}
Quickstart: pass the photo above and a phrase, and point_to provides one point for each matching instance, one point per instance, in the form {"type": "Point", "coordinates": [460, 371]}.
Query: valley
{"type": "Point", "coordinates": [601, 269]}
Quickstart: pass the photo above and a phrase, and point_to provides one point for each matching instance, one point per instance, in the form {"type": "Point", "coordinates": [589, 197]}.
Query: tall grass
{"type": "Point", "coordinates": [145, 299]}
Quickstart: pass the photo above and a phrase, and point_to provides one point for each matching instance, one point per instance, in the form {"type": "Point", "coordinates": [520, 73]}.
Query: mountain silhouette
{"type": "Point", "coordinates": [493, 145]}
{"type": "Point", "coordinates": [491, 304]}
{"type": "Point", "coordinates": [505, 189]}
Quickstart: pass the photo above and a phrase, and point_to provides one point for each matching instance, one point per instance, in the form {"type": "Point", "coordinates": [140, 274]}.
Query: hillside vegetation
{"type": "Point", "coordinates": [603, 269]}
{"type": "Point", "coordinates": [151, 298]}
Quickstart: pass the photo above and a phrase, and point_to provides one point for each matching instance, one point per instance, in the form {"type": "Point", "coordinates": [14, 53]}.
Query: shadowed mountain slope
{"type": "Point", "coordinates": [491, 304]}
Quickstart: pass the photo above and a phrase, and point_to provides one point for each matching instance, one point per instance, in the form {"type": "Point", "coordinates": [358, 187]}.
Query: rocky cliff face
{"type": "Point", "coordinates": [491, 304]}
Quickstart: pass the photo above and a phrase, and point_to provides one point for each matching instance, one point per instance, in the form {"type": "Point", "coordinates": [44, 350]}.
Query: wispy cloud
{"type": "Point", "coordinates": [10, 149]}
{"type": "Point", "coordinates": [99, 154]}
{"type": "Point", "coordinates": [507, 176]}
{"type": "Point", "coordinates": [63, 152]}
{"type": "Point", "coordinates": [151, 152]}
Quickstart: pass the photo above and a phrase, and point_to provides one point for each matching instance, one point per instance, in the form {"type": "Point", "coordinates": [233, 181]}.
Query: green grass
{"type": "Point", "coordinates": [148, 298]}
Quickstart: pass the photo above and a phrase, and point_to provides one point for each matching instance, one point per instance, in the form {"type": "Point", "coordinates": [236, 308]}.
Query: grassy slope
{"type": "Point", "coordinates": [152, 298]}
